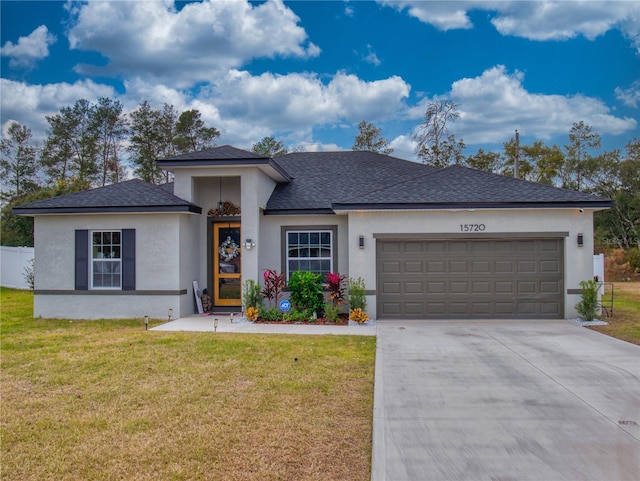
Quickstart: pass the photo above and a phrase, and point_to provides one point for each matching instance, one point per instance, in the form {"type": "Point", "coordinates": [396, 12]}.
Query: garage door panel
{"type": "Point", "coordinates": [503, 278]}
{"type": "Point", "coordinates": [481, 267]}
{"type": "Point", "coordinates": [549, 266]}
{"type": "Point", "coordinates": [527, 267]}
{"type": "Point", "coordinates": [435, 267]}
{"type": "Point", "coordinates": [458, 287]}
{"type": "Point", "coordinates": [391, 288]}
{"type": "Point", "coordinates": [460, 267]}
{"type": "Point", "coordinates": [391, 267]}
{"type": "Point", "coordinates": [481, 287]}
{"type": "Point", "coordinates": [412, 267]}
{"type": "Point", "coordinates": [414, 288]}
{"type": "Point", "coordinates": [504, 287]}
{"type": "Point", "coordinates": [413, 247]}
{"type": "Point", "coordinates": [504, 267]}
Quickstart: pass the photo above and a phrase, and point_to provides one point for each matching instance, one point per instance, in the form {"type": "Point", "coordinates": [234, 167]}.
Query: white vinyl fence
{"type": "Point", "coordinates": [13, 262]}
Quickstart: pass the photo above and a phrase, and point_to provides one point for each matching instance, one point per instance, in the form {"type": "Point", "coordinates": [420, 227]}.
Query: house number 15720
{"type": "Point", "coordinates": [472, 227]}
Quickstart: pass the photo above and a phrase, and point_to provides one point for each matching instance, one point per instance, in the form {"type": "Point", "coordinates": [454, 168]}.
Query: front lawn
{"type": "Point", "coordinates": [109, 400]}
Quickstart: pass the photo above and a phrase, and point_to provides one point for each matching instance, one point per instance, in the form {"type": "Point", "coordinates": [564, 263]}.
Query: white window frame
{"type": "Point", "coordinates": [104, 260]}
{"type": "Point", "coordinates": [309, 230]}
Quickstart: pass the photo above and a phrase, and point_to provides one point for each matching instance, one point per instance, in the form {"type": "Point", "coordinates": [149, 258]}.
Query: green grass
{"type": "Point", "coordinates": [108, 400]}
{"type": "Point", "coordinates": [625, 322]}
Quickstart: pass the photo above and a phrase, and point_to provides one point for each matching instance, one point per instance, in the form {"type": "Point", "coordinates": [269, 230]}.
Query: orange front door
{"type": "Point", "coordinates": [227, 256]}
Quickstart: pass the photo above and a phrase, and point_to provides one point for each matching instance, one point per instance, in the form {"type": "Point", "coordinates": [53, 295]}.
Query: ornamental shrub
{"type": "Point", "coordinates": [272, 314]}
{"type": "Point", "coordinates": [357, 294]}
{"type": "Point", "coordinates": [331, 312]}
{"type": "Point", "coordinates": [274, 284]}
{"type": "Point", "coordinates": [336, 285]}
{"type": "Point", "coordinates": [251, 295]}
{"type": "Point", "coordinates": [358, 315]}
{"type": "Point", "coordinates": [588, 307]}
{"type": "Point", "coordinates": [306, 292]}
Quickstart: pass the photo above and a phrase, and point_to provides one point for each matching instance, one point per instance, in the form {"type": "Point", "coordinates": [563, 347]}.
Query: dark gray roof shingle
{"type": "Point", "coordinates": [130, 196]}
{"type": "Point", "coordinates": [464, 187]}
{"type": "Point", "coordinates": [327, 181]}
{"type": "Point", "coordinates": [322, 178]}
{"type": "Point", "coordinates": [224, 152]}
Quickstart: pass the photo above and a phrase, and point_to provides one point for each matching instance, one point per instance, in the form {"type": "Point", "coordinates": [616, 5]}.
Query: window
{"type": "Point", "coordinates": [106, 260]}
{"type": "Point", "coordinates": [310, 250]}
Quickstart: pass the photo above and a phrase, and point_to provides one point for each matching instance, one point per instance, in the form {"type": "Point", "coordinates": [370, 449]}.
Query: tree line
{"type": "Point", "coordinates": [90, 144]}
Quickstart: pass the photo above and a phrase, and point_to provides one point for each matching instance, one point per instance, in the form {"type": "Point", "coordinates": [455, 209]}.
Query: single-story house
{"type": "Point", "coordinates": [430, 243]}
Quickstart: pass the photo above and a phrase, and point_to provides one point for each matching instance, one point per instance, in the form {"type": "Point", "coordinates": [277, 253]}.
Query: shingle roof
{"type": "Point", "coordinates": [457, 186]}
{"type": "Point", "coordinates": [324, 182]}
{"type": "Point", "coordinates": [130, 196]}
{"type": "Point", "coordinates": [322, 178]}
{"type": "Point", "coordinates": [224, 152]}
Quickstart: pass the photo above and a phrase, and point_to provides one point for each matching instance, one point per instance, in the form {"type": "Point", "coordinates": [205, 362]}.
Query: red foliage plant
{"type": "Point", "coordinates": [274, 284]}
{"type": "Point", "coordinates": [336, 285]}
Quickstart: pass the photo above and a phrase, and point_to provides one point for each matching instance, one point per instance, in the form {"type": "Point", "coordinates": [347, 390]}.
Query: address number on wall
{"type": "Point", "coordinates": [472, 227]}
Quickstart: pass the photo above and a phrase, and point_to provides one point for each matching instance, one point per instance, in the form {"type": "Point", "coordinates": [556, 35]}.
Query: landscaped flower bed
{"type": "Point", "coordinates": [310, 300]}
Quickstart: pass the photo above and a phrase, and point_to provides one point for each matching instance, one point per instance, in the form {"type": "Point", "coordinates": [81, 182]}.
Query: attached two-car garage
{"type": "Point", "coordinates": [462, 278]}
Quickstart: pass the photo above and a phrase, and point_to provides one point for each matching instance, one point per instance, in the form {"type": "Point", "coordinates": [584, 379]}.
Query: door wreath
{"type": "Point", "coordinates": [228, 249]}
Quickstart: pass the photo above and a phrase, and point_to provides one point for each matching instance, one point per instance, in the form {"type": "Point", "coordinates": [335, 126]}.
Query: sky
{"type": "Point", "coordinates": [307, 72]}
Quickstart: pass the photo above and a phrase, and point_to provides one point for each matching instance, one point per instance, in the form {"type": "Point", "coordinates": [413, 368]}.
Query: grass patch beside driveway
{"type": "Point", "coordinates": [108, 400]}
{"type": "Point", "coordinates": [625, 322]}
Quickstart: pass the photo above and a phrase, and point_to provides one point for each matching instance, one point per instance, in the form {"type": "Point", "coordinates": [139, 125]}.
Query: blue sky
{"type": "Point", "coordinates": [307, 72]}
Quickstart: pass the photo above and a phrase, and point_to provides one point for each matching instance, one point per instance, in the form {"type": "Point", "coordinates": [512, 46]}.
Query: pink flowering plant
{"type": "Point", "coordinates": [274, 284]}
{"type": "Point", "coordinates": [335, 282]}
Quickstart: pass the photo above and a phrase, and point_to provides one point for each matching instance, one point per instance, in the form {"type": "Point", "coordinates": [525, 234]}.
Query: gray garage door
{"type": "Point", "coordinates": [458, 279]}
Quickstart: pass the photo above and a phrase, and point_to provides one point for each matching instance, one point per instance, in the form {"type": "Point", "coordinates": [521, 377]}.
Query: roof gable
{"type": "Point", "coordinates": [129, 196]}
{"type": "Point", "coordinates": [225, 156]}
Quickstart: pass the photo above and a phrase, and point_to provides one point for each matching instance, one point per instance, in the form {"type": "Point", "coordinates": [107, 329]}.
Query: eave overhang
{"type": "Point", "coordinates": [267, 165]}
{"type": "Point", "coordinates": [31, 211]}
{"type": "Point", "coordinates": [597, 205]}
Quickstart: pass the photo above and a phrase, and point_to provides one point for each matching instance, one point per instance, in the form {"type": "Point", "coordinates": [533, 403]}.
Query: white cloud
{"type": "Point", "coordinates": [535, 20]}
{"type": "Point", "coordinates": [494, 104]}
{"type": "Point", "coordinates": [372, 57]}
{"type": "Point", "coordinates": [442, 15]}
{"type": "Point", "coordinates": [29, 104]}
{"type": "Point", "coordinates": [404, 147]}
{"type": "Point", "coordinates": [29, 49]}
{"type": "Point", "coordinates": [295, 102]}
{"type": "Point", "coordinates": [630, 96]}
{"type": "Point", "coordinates": [183, 47]}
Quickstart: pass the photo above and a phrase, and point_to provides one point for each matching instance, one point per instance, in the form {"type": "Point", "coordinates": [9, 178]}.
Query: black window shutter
{"type": "Point", "coordinates": [82, 260]}
{"type": "Point", "coordinates": [128, 259]}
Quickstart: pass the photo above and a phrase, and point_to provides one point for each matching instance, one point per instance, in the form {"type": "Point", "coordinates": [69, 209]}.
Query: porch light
{"type": "Point", "coordinates": [170, 314]}
{"type": "Point", "coordinates": [361, 242]}
{"type": "Point", "coordinates": [580, 240]}
{"type": "Point", "coordinates": [215, 324]}
{"type": "Point", "coordinates": [248, 244]}
{"type": "Point", "coordinates": [146, 323]}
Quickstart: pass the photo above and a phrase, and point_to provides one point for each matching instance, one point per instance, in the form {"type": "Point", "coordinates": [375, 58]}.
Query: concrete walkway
{"type": "Point", "coordinates": [534, 400]}
{"type": "Point", "coordinates": [205, 324]}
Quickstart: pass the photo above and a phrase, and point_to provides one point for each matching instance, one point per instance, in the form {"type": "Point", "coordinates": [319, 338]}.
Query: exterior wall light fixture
{"type": "Point", "coordinates": [580, 240]}
{"type": "Point", "coordinates": [361, 242]}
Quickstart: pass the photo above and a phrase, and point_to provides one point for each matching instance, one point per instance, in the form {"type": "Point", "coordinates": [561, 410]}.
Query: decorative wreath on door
{"type": "Point", "coordinates": [228, 249]}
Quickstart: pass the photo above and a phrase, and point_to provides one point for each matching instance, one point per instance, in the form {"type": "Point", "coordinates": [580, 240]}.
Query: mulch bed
{"type": "Point", "coordinates": [343, 320]}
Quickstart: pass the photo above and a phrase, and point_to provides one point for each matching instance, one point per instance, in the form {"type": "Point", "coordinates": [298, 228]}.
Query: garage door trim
{"type": "Point", "coordinates": [475, 235]}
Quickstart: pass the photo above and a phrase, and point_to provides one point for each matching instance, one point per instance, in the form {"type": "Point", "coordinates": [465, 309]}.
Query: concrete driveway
{"type": "Point", "coordinates": [519, 400]}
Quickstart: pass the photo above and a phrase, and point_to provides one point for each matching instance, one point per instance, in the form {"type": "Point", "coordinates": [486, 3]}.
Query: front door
{"type": "Point", "coordinates": [227, 278]}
